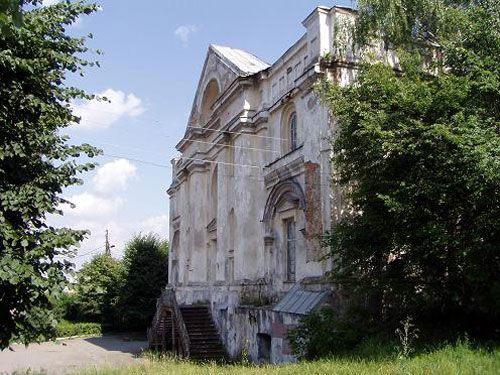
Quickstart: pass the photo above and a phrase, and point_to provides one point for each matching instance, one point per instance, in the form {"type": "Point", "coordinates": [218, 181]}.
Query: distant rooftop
{"type": "Point", "coordinates": [242, 62]}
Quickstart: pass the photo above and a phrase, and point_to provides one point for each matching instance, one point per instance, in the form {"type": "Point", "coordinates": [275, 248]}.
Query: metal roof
{"type": "Point", "coordinates": [299, 301]}
{"type": "Point", "coordinates": [244, 63]}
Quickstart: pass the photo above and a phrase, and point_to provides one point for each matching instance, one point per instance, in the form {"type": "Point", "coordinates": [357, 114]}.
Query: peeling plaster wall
{"type": "Point", "coordinates": [252, 163]}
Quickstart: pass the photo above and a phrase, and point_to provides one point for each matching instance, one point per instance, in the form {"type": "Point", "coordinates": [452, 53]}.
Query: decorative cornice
{"type": "Point", "coordinates": [283, 169]}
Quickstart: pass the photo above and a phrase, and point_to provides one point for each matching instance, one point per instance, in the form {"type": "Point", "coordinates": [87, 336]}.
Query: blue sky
{"type": "Point", "coordinates": [153, 56]}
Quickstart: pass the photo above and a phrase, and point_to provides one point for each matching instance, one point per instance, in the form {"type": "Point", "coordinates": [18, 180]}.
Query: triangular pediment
{"type": "Point", "coordinates": [224, 65]}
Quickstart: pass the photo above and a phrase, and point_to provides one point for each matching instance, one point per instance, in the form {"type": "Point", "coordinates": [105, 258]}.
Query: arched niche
{"type": "Point", "coordinates": [175, 247]}
{"type": "Point", "coordinates": [214, 193]}
{"type": "Point", "coordinates": [284, 218]}
{"type": "Point", "coordinates": [288, 191]}
{"type": "Point", "coordinates": [210, 96]}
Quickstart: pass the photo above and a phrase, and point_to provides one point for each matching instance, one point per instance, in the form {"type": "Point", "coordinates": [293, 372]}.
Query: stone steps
{"type": "Point", "coordinates": [205, 341]}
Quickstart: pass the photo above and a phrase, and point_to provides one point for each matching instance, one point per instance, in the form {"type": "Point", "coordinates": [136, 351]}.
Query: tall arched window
{"type": "Point", "coordinates": [289, 129]}
{"type": "Point", "coordinates": [292, 131]}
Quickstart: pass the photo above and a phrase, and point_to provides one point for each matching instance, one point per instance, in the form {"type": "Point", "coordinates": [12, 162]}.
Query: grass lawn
{"type": "Point", "coordinates": [457, 359]}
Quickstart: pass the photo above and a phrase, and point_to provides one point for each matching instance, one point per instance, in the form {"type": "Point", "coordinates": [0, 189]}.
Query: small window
{"type": "Point", "coordinates": [292, 128]}
{"type": "Point", "coordinates": [297, 70]}
{"type": "Point", "coordinates": [290, 249]}
{"type": "Point", "coordinates": [282, 84]}
{"type": "Point", "coordinates": [289, 77]}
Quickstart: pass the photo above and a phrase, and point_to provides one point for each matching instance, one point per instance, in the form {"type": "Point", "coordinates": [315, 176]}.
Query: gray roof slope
{"type": "Point", "coordinates": [299, 301]}
{"type": "Point", "coordinates": [243, 63]}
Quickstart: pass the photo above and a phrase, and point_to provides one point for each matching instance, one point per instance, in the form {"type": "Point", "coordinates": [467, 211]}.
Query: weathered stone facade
{"type": "Point", "coordinates": [251, 193]}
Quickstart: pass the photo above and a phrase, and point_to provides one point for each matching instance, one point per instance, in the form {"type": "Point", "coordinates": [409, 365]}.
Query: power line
{"type": "Point", "coordinates": [179, 157]}
{"type": "Point", "coordinates": [89, 252]}
{"type": "Point", "coordinates": [137, 160]}
{"type": "Point", "coordinates": [118, 146]}
{"type": "Point", "coordinates": [220, 162]}
{"type": "Point", "coordinates": [230, 146]}
{"type": "Point", "coordinates": [156, 121]}
{"type": "Point", "coordinates": [183, 139]}
{"type": "Point", "coordinates": [232, 132]}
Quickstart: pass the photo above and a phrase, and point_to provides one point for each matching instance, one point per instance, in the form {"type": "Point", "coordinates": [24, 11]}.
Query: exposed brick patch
{"type": "Point", "coordinates": [279, 330]}
{"type": "Point", "coordinates": [313, 211]}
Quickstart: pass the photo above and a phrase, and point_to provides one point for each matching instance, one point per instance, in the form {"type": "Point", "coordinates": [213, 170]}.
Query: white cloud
{"type": "Point", "coordinates": [183, 33]}
{"type": "Point", "coordinates": [88, 205]}
{"type": "Point", "coordinates": [120, 232]}
{"type": "Point", "coordinates": [155, 224]}
{"type": "Point", "coordinates": [114, 176]}
{"type": "Point", "coordinates": [98, 114]}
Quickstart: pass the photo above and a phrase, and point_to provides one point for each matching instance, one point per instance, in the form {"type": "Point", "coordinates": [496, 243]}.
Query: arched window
{"type": "Point", "coordinates": [289, 129]}
{"type": "Point", "coordinates": [292, 131]}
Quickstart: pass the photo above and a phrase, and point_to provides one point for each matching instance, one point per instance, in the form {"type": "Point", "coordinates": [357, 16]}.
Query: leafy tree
{"type": "Point", "coordinates": [10, 11]}
{"type": "Point", "coordinates": [36, 163]}
{"type": "Point", "coordinates": [146, 274]}
{"type": "Point", "coordinates": [419, 149]}
{"type": "Point", "coordinates": [98, 287]}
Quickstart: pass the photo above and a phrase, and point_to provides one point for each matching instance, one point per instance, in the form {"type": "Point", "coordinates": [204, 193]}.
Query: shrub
{"type": "Point", "coordinates": [145, 275]}
{"type": "Point", "coordinates": [68, 329]}
{"type": "Point", "coordinates": [98, 289]}
{"type": "Point", "coordinates": [323, 333]}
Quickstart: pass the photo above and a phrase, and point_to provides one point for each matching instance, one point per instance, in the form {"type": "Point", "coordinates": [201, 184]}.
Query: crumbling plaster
{"type": "Point", "coordinates": [242, 145]}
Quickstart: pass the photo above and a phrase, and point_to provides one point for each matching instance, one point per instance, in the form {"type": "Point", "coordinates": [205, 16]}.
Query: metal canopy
{"type": "Point", "coordinates": [299, 301]}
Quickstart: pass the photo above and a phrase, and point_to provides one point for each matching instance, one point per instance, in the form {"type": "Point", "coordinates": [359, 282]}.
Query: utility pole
{"type": "Point", "coordinates": [107, 250]}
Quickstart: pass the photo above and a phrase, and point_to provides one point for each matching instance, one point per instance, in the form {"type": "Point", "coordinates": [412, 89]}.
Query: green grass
{"type": "Point", "coordinates": [66, 328]}
{"type": "Point", "coordinates": [456, 359]}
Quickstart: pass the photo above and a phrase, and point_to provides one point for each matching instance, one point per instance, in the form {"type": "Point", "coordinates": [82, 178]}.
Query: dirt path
{"type": "Point", "coordinates": [65, 357]}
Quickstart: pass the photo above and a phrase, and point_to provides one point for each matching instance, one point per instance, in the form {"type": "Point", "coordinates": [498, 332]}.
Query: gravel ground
{"type": "Point", "coordinates": [68, 356]}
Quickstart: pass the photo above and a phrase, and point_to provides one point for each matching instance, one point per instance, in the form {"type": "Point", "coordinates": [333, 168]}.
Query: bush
{"type": "Point", "coordinates": [145, 275]}
{"type": "Point", "coordinates": [97, 291]}
{"type": "Point", "coordinates": [321, 334]}
{"type": "Point", "coordinates": [68, 329]}
{"type": "Point", "coordinates": [66, 306]}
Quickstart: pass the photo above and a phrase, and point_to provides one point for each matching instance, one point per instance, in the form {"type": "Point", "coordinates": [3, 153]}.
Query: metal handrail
{"type": "Point", "coordinates": [168, 300]}
{"type": "Point", "coordinates": [179, 321]}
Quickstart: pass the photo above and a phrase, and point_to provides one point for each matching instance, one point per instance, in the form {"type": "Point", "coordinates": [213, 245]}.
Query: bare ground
{"type": "Point", "coordinates": [68, 356]}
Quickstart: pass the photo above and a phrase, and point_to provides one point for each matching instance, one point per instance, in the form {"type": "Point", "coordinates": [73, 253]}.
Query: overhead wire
{"type": "Point", "coordinates": [230, 146]}
{"type": "Point", "coordinates": [184, 157]}
{"type": "Point", "coordinates": [233, 132]}
{"type": "Point", "coordinates": [156, 121]}
{"type": "Point", "coordinates": [90, 252]}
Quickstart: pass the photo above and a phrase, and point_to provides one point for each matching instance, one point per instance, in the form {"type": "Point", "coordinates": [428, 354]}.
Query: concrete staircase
{"type": "Point", "coordinates": [204, 340]}
{"type": "Point", "coordinates": [188, 331]}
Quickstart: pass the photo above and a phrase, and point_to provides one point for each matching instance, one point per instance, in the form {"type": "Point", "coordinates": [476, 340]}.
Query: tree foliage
{"type": "Point", "coordinates": [419, 152]}
{"type": "Point", "coordinates": [146, 274]}
{"type": "Point", "coordinates": [98, 288]}
{"type": "Point", "coordinates": [36, 162]}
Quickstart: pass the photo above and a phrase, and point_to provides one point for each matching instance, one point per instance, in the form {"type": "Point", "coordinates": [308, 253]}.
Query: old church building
{"type": "Point", "coordinates": [251, 196]}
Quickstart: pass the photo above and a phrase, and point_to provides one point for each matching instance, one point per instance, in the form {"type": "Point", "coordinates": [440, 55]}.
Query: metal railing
{"type": "Point", "coordinates": [167, 301]}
